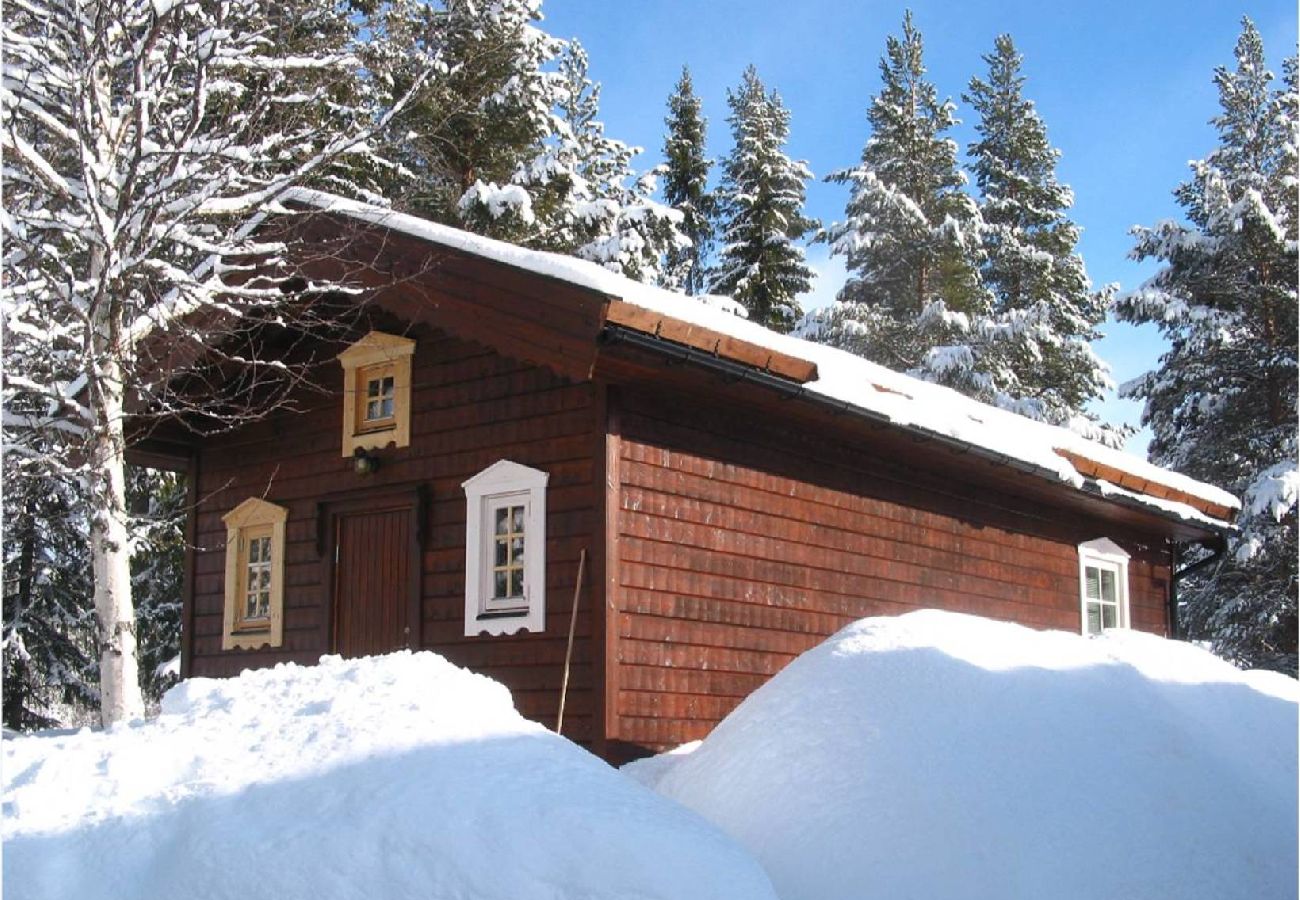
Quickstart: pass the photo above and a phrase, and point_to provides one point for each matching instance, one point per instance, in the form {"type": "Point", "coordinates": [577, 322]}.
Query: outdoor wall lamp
{"type": "Point", "coordinates": [364, 463]}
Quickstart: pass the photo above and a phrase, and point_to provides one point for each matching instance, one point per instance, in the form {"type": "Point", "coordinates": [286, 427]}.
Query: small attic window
{"type": "Point", "coordinates": [377, 392]}
{"type": "Point", "coordinates": [1103, 586]}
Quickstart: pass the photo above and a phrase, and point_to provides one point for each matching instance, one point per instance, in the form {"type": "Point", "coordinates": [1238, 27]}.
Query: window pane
{"type": "Point", "coordinates": [499, 584]}
{"type": "Point", "coordinates": [1094, 618]}
{"type": "Point", "coordinates": [517, 515]}
{"type": "Point", "coordinates": [517, 551]}
{"type": "Point", "coordinates": [372, 388]}
{"type": "Point", "coordinates": [386, 407]}
{"type": "Point", "coordinates": [387, 387]}
{"type": "Point", "coordinates": [501, 558]}
{"type": "Point", "coordinates": [1108, 619]}
{"type": "Point", "coordinates": [1092, 583]}
{"type": "Point", "coordinates": [1108, 585]}
{"type": "Point", "coordinates": [250, 609]}
{"type": "Point", "coordinates": [516, 582]}
{"type": "Point", "coordinates": [501, 515]}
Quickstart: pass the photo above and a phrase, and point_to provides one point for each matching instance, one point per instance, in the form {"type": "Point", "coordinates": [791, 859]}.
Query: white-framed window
{"type": "Point", "coordinates": [1103, 586]}
{"type": "Point", "coordinates": [254, 585]}
{"type": "Point", "coordinates": [505, 550]}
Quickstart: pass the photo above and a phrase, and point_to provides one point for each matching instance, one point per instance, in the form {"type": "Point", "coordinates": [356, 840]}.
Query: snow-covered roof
{"type": "Point", "coordinates": [849, 379]}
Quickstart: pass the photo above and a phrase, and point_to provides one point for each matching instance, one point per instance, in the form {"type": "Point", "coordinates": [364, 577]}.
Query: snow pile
{"type": "Point", "coordinates": [937, 755]}
{"type": "Point", "coordinates": [398, 776]}
{"type": "Point", "coordinates": [842, 376]}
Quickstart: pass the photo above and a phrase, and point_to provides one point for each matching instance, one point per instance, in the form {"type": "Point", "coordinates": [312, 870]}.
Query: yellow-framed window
{"type": "Point", "coordinates": [376, 398]}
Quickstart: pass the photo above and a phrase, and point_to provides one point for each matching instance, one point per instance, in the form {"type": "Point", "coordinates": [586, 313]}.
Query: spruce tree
{"type": "Point", "coordinates": [51, 673]}
{"type": "Point", "coordinates": [686, 186]}
{"type": "Point", "coordinates": [1043, 300]}
{"type": "Point", "coordinates": [1222, 404]}
{"type": "Point", "coordinates": [910, 238]}
{"type": "Point", "coordinates": [761, 206]}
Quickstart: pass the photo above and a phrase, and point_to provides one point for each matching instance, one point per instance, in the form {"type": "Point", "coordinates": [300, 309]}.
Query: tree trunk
{"type": "Point", "coordinates": [110, 554]}
{"type": "Point", "coordinates": [119, 681]}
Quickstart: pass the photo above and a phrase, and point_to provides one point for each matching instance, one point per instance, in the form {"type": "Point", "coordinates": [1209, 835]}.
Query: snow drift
{"type": "Point", "coordinates": [936, 755]}
{"type": "Point", "coordinates": [398, 776]}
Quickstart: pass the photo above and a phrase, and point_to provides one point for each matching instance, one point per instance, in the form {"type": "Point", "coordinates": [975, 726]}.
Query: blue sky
{"type": "Point", "coordinates": [1124, 87]}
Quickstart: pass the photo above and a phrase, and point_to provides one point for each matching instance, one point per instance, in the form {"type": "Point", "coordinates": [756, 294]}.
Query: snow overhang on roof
{"type": "Point", "coordinates": [836, 376]}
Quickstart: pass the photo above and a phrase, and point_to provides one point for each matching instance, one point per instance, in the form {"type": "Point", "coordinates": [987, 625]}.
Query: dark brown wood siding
{"type": "Point", "coordinates": [470, 408]}
{"type": "Point", "coordinates": [743, 542]}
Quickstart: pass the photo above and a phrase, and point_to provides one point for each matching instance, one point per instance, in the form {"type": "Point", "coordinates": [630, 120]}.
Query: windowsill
{"type": "Point", "coordinates": [255, 628]}
{"type": "Point", "coordinates": [502, 614]}
{"type": "Point", "coordinates": [376, 429]}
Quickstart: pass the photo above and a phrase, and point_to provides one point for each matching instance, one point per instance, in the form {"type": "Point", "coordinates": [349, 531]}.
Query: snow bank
{"type": "Point", "coordinates": [937, 755]}
{"type": "Point", "coordinates": [393, 777]}
{"type": "Point", "coordinates": [842, 376]}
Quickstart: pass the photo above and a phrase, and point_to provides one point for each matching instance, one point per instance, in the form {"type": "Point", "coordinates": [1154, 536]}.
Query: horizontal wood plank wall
{"type": "Point", "coordinates": [470, 408]}
{"type": "Point", "coordinates": [743, 544]}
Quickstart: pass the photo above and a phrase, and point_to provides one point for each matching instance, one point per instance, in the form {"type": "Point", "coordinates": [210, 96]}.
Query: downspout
{"type": "Point", "coordinates": [1219, 548]}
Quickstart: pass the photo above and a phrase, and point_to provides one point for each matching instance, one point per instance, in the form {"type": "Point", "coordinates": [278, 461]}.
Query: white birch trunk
{"type": "Point", "coordinates": [119, 680]}
{"type": "Point", "coordinates": [110, 554]}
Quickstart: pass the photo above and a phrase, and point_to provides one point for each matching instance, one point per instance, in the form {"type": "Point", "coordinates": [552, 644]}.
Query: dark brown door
{"type": "Point", "coordinates": [374, 579]}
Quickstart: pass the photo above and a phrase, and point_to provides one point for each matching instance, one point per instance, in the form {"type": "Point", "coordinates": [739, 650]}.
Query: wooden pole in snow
{"type": "Point", "coordinates": [568, 652]}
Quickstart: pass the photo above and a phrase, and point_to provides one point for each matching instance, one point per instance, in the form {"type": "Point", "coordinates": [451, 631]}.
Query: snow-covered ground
{"type": "Point", "coordinates": [393, 777]}
{"type": "Point", "coordinates": [942, 756]}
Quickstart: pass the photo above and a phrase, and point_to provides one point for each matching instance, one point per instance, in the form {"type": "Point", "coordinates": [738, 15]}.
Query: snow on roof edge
{"type": "Point", "coordinates": [842, 376]}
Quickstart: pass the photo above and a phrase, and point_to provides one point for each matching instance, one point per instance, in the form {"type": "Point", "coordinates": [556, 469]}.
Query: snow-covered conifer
{"type": "Point", "coordinates": [572, 189]}
{"type": "Point", "coordinates": [463, 140]}
{"type": "Point", "coordinates": [50, 667]}
{"type": "Point", "coordinates": [760, 206]}
{"type": "Point", "coordinates": [1222, 404]}
{"type": "Point", "coordinates": [157, 501]}
{"type": "Point", "coordinates": [911, 236]}
{"type": "Point", "coordinates": [137, 134]}
{"type": "Point", "coordinates": [1044, 306]}
{"type": "Point", "coordinates": [685, 185]}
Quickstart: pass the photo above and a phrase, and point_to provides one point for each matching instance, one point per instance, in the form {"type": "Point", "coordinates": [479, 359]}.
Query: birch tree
{"type": "Point", "coordinates": [137, 135]}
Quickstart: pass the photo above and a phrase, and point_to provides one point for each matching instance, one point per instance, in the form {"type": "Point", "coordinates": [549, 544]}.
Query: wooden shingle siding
{"type": "Point", "coordinates": [743, 543]}
{"type": "Point", "coordinates": [471, 407]}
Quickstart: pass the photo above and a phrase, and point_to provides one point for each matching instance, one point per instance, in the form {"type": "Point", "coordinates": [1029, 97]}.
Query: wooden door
{"type": "Point", "coordinates": [375, 581]}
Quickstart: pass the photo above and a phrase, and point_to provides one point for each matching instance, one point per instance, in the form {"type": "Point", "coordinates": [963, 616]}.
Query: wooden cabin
{"type": "Point", "coordinates": [499, 414]}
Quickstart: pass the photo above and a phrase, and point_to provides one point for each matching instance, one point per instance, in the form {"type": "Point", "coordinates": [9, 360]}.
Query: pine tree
{"type": "Point", "coordinates": [509, 143]}
{"type": "Point", "coordinates": [1043, 300]}
{"type": "Point", "coordinates": [686, 185]}
{"type": "Point", "coordinates": [911, 236]}
{"type": "Point", "coordinates": [1222, 404]}
{"type": "Point", "coordinates": [761, 205]}
{"type": "Point", "coordinates": [461, 141]}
